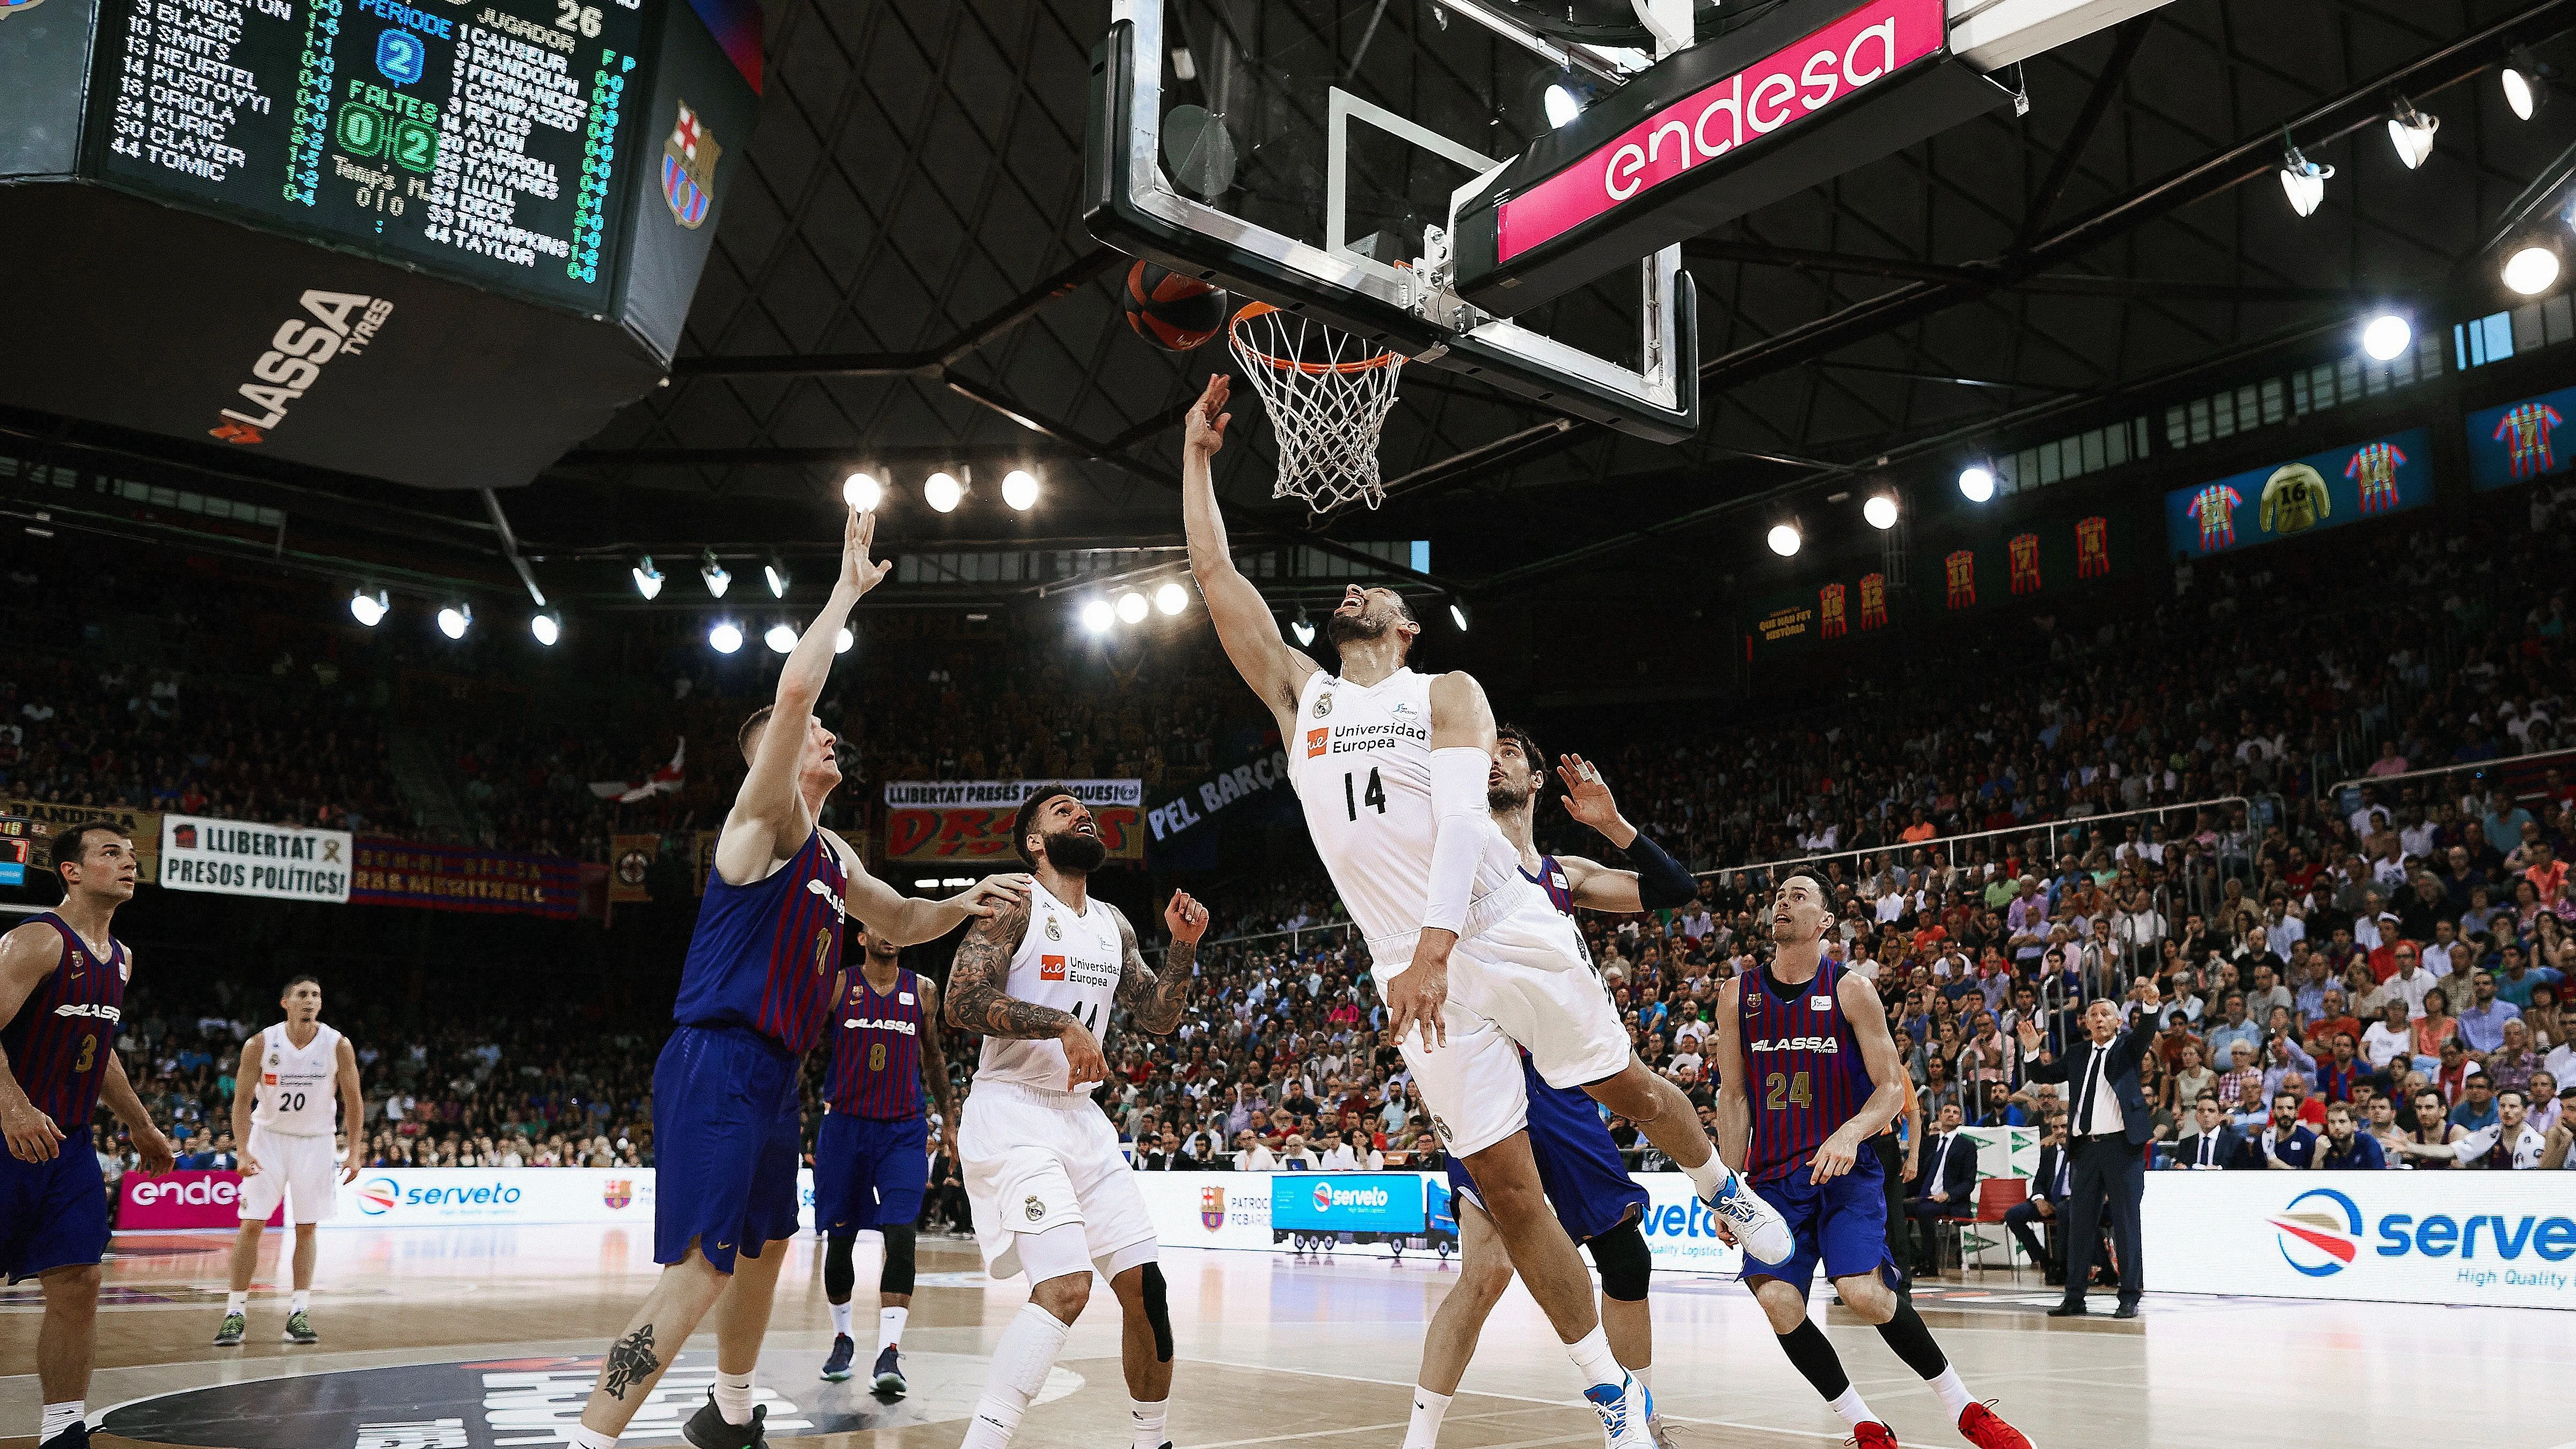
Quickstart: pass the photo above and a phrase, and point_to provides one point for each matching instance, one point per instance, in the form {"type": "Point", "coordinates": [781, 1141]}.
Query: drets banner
{"type": "Point", "coordinates": [970, 820]}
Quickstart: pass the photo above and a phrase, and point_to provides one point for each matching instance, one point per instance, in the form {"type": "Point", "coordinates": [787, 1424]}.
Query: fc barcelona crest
{"type": "Point", "coordinates": [1211, 1208]}
{"type": "Point", "coordinates": [617, 1192]}
{"type": "Point", "coordinates": [689, 169]}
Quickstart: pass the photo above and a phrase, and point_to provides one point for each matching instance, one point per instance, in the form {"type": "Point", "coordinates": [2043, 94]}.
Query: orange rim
{"type": "Point", "coordinates": [1290, 364]}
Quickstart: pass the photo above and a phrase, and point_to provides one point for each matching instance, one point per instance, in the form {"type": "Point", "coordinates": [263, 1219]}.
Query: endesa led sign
{"type": "Point", "coordinates": [1802, 79]}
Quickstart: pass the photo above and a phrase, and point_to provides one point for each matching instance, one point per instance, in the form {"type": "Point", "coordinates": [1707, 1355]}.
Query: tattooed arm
{"type": "Point", "coordinates": [1155, 1001]}
{"type": "Point", "coordinates": [977, 1003]}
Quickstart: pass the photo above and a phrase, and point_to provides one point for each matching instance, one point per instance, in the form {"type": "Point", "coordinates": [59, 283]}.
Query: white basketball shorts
{"type": "Point", "coordinates": [1036, 1159]}
{"type": "Point", "coordinates": [303, 1171]}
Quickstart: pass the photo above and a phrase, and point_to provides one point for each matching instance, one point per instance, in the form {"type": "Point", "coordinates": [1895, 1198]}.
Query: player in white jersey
{"type": "Point", "coordinates": [289, 1079]}
{"type": "Point", "coordinates": [1051, 1194]}
{"type": "Point", "coordinates": [1391, 768]}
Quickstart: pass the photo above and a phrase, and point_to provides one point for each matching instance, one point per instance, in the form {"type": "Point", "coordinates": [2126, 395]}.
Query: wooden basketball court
{"type": "Point", "coordinates": [478, 1336]}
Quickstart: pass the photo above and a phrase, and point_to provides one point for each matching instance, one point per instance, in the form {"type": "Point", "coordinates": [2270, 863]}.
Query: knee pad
{"type": "Point", "coordinates": [896, 1277]}
{"type": "Point", "coordinates": [1624, 1262]}
{"type": "Point", "coordinates": [838, 1274]}
{"type": "Point", "coordinates": [1158, 1313]}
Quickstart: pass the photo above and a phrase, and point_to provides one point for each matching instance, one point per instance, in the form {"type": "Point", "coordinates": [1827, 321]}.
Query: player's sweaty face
{"type": "Point", "coordinates": [1512, 772]}
{"type": "Point", "coordinates": [1797, 912]}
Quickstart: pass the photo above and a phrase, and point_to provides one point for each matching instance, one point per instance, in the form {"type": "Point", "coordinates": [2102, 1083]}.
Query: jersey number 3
{"type": "Point", "coordinates": [1780, 1091]}
{"type": "Point", "coordinates": [89, 1054]}
{"type": "Point", "coordinates": [1374, 796]}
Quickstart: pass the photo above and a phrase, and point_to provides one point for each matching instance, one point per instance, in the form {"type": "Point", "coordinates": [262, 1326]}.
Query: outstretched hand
{"type": "Point", "coordinates": [1204, 430]}
{"type": "Point", "coordinates": [1185, 918]}
{"type": "Point", "coordinates": [1587, 795]}
{"type": "Point", "coordinates": [858, 535]}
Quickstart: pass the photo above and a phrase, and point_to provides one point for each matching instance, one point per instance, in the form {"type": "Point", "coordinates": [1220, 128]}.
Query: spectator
{"type": "Point", "coordinates": [2347, 1149]}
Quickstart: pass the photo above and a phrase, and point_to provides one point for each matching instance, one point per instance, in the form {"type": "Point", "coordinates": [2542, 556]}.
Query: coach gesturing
{"type": "Point", "coordinates": [2107, 1126]}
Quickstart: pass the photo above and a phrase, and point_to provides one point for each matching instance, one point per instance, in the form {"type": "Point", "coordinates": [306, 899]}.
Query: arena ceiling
{"type": "Point", "coordinates": [901, 277]}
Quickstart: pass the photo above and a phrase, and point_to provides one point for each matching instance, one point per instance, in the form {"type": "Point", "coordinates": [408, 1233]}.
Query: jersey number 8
{"type": "Point", "coordinates": [876, 1056]}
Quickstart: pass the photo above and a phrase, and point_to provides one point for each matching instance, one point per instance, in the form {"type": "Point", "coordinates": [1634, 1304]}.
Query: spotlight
{"type": "Point", "coordinates": [1131, 607]}
{"type": "Point", "coordinates": [717, 579]}
{"type": "Point", "coordinates": [1458, 615]}
{"type": "Point", "coordinates": [2303, 179]}
{"type": "Point", "coordinates": [2526, 83]}
{"type": "Point", "coordinates": [2531, 270]}
{"type": "Point", "coordinates": [862, 491]}
{"type": "Point", "coordinates": [2386, 336]}
{"type": "Point", "coordinates": [1562, 106]}
{"type": "Point", "coordinates": [781, 638]}
{"type": "Point", "coordinates": [1097, 616]}
{"type": "Point", "coordinates": [547, 626]}
{"type": "Point", "coordinates": [1880, 510]}
{"type": "Point", "coordinates": [775, 574]}
{"type": "Point", "coordinates": [1171, 598]}
{"type": "Point", "coordinates": [1783, 539]}
{"type": "Point", "coordinates": [942, 492]}
{"type": "Point", "coordinates": [842, 641]}
{"type": "Point", "coordinates": [1020, 490]}
{"type": "Point", "coordinates": [648, 579]}
{"type": "Point", "coordinates": [725, 637]}
{"type": "Point", "coordinates": [1977, 482]}
{"type": "Point", "coordinates": [1302, 627]}
{"type": "Point", "coordinates": [455, 619]}
{"type": "Point", "coordinates": [369, 609]}
{"type": "Point", "coordinates": [2411, 132]}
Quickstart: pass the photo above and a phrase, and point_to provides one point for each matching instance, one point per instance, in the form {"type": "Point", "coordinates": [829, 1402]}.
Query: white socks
{"type": "Point", "coordinates": [237, 1303]}
{"type": "Point", "coordinates": [59, 1417]}
{"type": "Point", "coordinates": [1148, 1421]}
{"type": "Point", "coordinates": [1644, 1375]}
{"type": "Point", "coordinates": [1854, 1412]}
{"type": "Point", "coordinates": [890, 1327]}
{"type": "Point", "coordinates": [733, 1397]}
{"type": "Point", "coordinates": [1020, 1363]}
{"type": "Point", "coordinates": [1709, 1176]}
{"type": "Point", "coordinates": [1428, 1409]}
{"type": "Point", "coordinates": [841, 1319]}
{"type": "Point", "coordinates": [301, 1301]}
{"type": "Point", "coordinates": [586, 1437]}
{"type": "Point", "coordinates": [1594, 1360]}
{"type": "Point", "coordinates": [1954, 1394]}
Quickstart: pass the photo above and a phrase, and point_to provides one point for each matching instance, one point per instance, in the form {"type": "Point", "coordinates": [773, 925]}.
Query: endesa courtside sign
{"type": "Point", "coordinates": [2505, 1239]}
{"type": "Point", "coordinates": [187, 1198]}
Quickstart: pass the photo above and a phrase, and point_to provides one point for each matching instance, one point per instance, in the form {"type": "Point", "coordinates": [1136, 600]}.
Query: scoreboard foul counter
{"type": "Point", "coordinates": [430, 240]}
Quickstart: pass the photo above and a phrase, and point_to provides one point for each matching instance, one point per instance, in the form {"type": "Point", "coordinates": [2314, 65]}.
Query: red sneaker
{"type": "Point", "coordinates": [1986, 1429]}
{"type": "Point", "coordinates": [1873, 1435]}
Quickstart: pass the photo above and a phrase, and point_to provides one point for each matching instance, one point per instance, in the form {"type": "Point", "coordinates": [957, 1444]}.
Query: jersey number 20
{"type": "Point", "coordinates": [1353, 798]}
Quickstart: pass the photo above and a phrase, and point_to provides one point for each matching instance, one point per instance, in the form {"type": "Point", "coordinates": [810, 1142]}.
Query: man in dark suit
{"type": "Point", "coordinates": [1949, 1184]}
{"type": "Point", "coordinates": [2107, 1128]}
{"type": "Point", "coordinates": [2218, 1145]}
{"type": "Point", "coordinates": [2049, 1189]}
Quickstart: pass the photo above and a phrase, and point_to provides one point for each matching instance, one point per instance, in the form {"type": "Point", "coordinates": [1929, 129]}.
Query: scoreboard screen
{"type": "Point", "coordinates": [488, 141]}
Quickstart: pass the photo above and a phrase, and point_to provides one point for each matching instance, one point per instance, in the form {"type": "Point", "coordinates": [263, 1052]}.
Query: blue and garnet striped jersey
{"type": "Point", "coordinates": [768, 955]}
{"type": "Point", "coordinates": [1552, 879]}
{"type": "Point", "coordinates": [1803, 1068]}
{"type": "Point", "coordinates": [65, 1031]}
{"type": "Point", "coordinates": [876, 1051]}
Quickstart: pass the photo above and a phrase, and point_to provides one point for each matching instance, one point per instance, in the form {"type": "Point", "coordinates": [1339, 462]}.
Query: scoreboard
{"type": "Point", "coordinates": [17, 849]}
{"type": "Point", "coordinates": [479, 141]}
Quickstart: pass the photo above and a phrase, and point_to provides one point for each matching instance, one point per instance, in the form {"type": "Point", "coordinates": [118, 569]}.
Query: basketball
{"type": "Point", "coordinates": [1173, 312]}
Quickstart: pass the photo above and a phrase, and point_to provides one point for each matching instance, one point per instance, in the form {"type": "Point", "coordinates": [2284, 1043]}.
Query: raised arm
{"type": "Point", "coordinates": [1154, 1001]}
{"type": "Point", "coordinates": [28, 954]}
{"type": "Point", "coordinates": [977, 1001]}
{"type": "Point", "coordinates": [1659, 884]}
{"type": "Point", "coordinates": [1244, 624]}
{"type": "Point", "coordinates": [770, 811]}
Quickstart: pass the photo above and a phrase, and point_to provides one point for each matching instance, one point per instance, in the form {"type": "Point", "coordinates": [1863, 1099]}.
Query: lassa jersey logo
{"type": "Point", "coordinates": [344, 324]}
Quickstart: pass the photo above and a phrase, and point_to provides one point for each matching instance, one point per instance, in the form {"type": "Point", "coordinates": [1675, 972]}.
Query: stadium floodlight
{"type": "Point", "coordinates": [369, 609]}
{"type": "Point", "coordinates": [455, 619]}
{"type": "Point", "coordinates": [1880, 511]}
{"type": "Point", "coordinates": [2526, 83]}
{"type": "Point", "coordinates": [1097, 616]}
{"type": "Point", "coordinates": [648, 579]}
{"type": "Point", "coordinates": [862, 491]}
{"type": "Point", "coordinates": [2386, 336]}
{"type": "Point", "coordinates": [1977, 482]}
{"type": "Point", "coordinates": [725, 637]}
{"type": "Point", "coordinates": [2411, 132]}
{"type": "Point", "coordinates": [547, 626]}
{"type": "Point", "coordinates": [781, 638]}
{"type": "Point", "coordinates": [1131, 607]}
{"type": "Point", "coordinates": [842, 641]}
{"type": "Point", "coordinates": [1020, 490]}
{"type": "Point", "coordinates": [1784, 539]}
{"type": "Point", "coordinates": [943, 492]}
{"type": "Point", "coordinates": [774, 573]}
{"type": "Point", "coordinates": [1171, 598]}
{"type": "Point", "coordinates": [2531, 270]}
{"type": "Point", "coordinates": [1302, 627]}
{"type": "Point", "coordinates": [717, 579]}
{"type": "Point", "coordinates": [1562, 106]}
{"type": "Point", "coordinates": [2303, 179]}
{"type": "Point", "coordinates": [1458, 615]}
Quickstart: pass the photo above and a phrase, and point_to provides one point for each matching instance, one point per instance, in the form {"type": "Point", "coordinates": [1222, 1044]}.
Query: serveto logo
{"type": "Point", "coordinates": [1327, 1197]}
{"type": "Point", "coordinates": [2323, 1240]}
{"type": "Point", "coordinates": [377, 1196]}
{"type": "Point", "coordinates": [346, 323]}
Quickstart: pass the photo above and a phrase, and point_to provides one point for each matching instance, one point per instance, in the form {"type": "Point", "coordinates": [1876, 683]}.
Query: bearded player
{"type": "Point", "coordinates": [1390, 767]}
{"type": "Point", "coordinates": [292, 1076]}
{"type": "Point", "coordinates": [62, 993]}
{"type": "Point", "coordinates": [1052, 1195]}
{"type": "Point", "coordinates": [871, 1156]}
{"type": "Point", "coordinates": [1588, 1185]}
{"type": "Point", "coordinates": [1808, 1075]}
{"type": "Point", "coordinates": [761, 981]}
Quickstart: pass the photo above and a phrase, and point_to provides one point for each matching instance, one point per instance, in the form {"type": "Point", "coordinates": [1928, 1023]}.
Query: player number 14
{"type": "Point", "coordinates": [1353, 797]}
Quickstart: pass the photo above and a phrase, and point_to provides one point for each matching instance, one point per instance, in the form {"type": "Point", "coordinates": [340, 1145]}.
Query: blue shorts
{"type": "Point", "coordinates": [52, 1214]}
{"type": "Point", "coordinates": [869, 1173]}
{"type": "Point", "coordinates": [1844, 1222]}
{"type": "Point", "coordinates": [725, 1136]}
{"type": "Point", "coordinates": [1578, 1162]}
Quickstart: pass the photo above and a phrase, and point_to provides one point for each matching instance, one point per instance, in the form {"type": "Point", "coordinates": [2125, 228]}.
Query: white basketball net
{"type": "Point", "coordinates": [1328, 393]}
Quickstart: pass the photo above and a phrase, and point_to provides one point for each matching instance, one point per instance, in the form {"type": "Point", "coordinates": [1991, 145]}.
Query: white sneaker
{"type": "Point", "coordinates": [1626, 1411]}
{"type": "Point", "coordinates": [1756, 1224]}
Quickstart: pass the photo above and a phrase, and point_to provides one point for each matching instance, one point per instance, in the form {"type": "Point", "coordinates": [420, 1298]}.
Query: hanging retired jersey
{"type": "Point", "coordinates": [768, 955]}
{"type": "Point", "coordinates": [876, 1051]}
{"type": "Point", "coordinates": [1802, 1066]}
{"type": "Point", "coordinates": [65, 1030]}
{"type": "Point", "coordinates": [297, 1092]}
{"type": "Point", "coordinates": [1069, 960]}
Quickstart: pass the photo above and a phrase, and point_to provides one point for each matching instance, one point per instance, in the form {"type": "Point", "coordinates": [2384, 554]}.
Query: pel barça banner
{"type": "Point", "coordinates": [2501, 1239]}
{"type": "Point", "coordinates": [230, 857]}
{"type": "Point", "coordinates": [2519, 441]}
{"type": "Point", "coordinates": [970, 820]}
{"type": "Point", "coordinates": [2350, 484]}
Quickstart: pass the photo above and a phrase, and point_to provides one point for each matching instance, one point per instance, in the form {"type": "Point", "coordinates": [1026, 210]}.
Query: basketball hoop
{"type": "Point", "coordinates": [1328, 393]}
